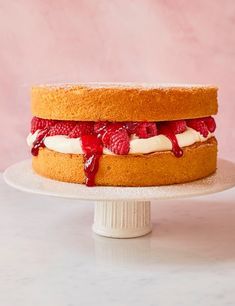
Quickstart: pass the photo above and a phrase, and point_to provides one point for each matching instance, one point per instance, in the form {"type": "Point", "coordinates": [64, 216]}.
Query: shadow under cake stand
{"type": "Point", "coordinates": [120, 212]}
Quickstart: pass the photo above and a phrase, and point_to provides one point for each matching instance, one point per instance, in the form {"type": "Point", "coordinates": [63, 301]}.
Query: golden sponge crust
{"type": "Point", "coordinates": [123, 102]}
{"type": "Point", "coordinates": [160, 168]}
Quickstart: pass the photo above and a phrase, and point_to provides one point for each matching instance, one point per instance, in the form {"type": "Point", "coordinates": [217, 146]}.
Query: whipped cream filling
{"type": "Point", "coordinates": [64, 144]}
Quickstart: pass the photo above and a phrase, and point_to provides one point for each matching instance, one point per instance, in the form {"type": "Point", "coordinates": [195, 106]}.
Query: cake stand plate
{"type": "Point", "coordinates": [120, 212]}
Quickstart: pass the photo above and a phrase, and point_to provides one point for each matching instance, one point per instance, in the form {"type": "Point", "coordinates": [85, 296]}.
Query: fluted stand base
{"type": "Point", "coordinates": [122, 219]}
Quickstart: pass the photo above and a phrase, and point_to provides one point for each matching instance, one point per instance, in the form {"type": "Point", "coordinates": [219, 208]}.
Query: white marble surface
{"type": "Point", "coordinates": [49, 256]}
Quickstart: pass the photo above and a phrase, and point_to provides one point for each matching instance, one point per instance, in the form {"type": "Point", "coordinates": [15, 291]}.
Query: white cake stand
{"type": "Point", "coordinates": [120, 212]}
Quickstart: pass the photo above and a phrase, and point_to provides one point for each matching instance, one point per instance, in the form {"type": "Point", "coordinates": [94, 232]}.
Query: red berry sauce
{"type": "Point", "coordinates": [93, 149]}
{"type": "Point", "coordinates": [39, 142]}
{"type": "Point", "coordinates": [165, 130]}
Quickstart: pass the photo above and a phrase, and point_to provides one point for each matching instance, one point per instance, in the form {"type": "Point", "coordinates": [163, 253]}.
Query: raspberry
{"type": "Point", "coordinates": [40, 124]}
{"type": "Point", "coordinates": [198, 125]}
{"type": "Point", "coordinates": [119, 142]}
{"type": "Point", "coordinates": [146, 129]}
{"type": "Point", "coordinates": [116, 139]}
{"type": "Point", "coordinates": [61, 128]}
{"type": "Point", "coordinates": [177, 126]}
{"type": "Point", "coordinates": [110, 129]}
{"type": "Point", "coordinates": [100, 126]}
{"type": "Point", "coordinates": [131, 127]}
{"type": "Point", "coordinates": [82, 128]}
{"type": "Point", "coordinates": [210, 123]}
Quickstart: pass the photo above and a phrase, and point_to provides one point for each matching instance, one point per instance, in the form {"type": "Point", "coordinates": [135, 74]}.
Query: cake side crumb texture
{"type": "Point", "coordinates": [123, 101]}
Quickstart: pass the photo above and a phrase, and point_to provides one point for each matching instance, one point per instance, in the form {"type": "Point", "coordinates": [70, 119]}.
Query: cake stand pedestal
{"type": "Point", "coordinates": [120, 212]}
{"type": "Point", "coordinates": [122, 219]}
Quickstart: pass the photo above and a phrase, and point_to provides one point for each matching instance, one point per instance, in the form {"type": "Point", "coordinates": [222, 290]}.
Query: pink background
{"type": "Point", "coordinates": [112, 40]}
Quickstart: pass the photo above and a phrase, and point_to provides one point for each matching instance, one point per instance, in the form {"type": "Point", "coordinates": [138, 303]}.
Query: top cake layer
{"type": "Point", "coordinates": [123, 101]}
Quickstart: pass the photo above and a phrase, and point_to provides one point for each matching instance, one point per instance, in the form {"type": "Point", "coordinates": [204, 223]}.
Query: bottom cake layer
{"type": "Point", "coordinates": [160, 168]}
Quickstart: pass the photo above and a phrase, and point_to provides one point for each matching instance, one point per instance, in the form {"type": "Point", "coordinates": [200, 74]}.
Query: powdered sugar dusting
{"type": "Point", "coordinates": [126, 85]}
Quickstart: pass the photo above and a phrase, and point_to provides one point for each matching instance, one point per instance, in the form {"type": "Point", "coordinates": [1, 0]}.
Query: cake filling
{"type": "Point", "coordinates": [92, 139]}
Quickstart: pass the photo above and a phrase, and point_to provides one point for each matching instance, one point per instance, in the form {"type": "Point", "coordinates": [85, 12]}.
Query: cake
{"type": "Point", "coordinates": [123, 134]}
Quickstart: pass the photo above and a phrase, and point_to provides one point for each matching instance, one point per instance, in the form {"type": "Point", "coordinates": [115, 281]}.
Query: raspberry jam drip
{"type": "Point", "coordinates": [93, 149]}
{"type": "Point", "coordinates": [39, 142]}
{"type": "Point", "coordinates": [165, 130]}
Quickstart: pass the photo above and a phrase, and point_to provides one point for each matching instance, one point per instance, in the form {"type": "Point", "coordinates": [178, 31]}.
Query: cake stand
{"type": "Point", "coordinates": [120, 212]}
